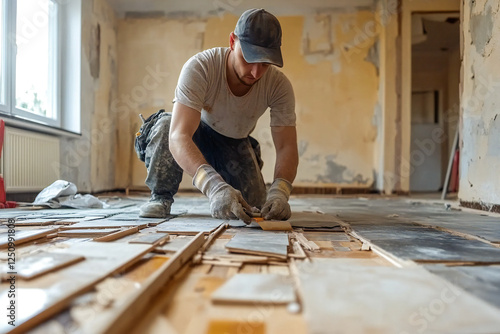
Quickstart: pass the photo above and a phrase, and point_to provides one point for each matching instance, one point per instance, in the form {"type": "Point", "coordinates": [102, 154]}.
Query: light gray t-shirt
{"type": "Point", "coordinates": [203, 86]}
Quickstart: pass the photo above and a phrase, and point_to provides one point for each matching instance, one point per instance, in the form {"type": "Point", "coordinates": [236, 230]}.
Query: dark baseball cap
{"type": "Point", "coordinates": [259, 33]}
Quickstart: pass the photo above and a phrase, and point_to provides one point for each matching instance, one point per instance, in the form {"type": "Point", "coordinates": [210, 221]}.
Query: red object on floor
{"type": "Point", "coordinates": [454, 173]}
{"type": "Point", "coordinates": [3, 196]}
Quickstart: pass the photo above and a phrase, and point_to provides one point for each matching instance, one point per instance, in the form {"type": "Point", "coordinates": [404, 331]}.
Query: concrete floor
{"type": "Point", "coordinates": [383, 265]}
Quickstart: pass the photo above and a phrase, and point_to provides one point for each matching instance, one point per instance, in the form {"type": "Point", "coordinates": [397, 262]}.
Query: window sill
{"type": "Point", "coordinates": [25, 124]}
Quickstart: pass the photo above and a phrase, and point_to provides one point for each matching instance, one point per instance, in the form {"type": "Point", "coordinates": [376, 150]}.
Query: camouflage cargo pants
{"type": "Point", "coordinates": [238, 161]}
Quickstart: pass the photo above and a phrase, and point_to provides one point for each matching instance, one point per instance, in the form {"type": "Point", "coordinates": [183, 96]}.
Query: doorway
{"type": "Point", "coordinates": [435, 64]}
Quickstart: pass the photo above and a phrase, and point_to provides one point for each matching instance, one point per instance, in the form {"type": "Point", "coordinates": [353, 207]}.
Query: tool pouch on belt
{"type": "Point", "coordinates": [142, 136]}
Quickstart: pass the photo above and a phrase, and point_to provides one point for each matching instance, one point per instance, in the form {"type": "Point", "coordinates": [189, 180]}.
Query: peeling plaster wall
{"type": "Point", "coordinates": [480, 123]}
{"type": "Point", "coordinates": [336, 92]}
{"type": "Point", "coordinates": [331, 59]}
{"type": "Point", "coordinates": [336, 112]}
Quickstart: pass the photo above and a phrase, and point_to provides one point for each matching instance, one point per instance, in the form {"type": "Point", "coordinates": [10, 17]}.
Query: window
{"type": "Point", "coordinates": [29, 58]}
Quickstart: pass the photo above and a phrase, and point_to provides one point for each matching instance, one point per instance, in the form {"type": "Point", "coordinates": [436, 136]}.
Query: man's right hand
{"type": "Point", "coordinates": [225, 201]}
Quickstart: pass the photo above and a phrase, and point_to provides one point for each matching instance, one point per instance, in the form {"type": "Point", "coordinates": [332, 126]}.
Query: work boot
{"type": "Point", "coordinates": [156, 208]}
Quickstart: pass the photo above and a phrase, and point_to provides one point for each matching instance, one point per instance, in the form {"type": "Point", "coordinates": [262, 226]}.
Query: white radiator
{"type": "Point", "coordinates": [30, 161]}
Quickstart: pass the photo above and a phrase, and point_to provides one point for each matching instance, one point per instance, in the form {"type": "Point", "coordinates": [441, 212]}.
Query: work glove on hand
{"type": "Point", "coordinates": [276, 206]}
{"type": "Point", "coordinates": [225, 201]}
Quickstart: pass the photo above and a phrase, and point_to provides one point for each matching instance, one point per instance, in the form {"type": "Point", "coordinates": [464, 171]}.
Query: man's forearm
{"type": "Point", "coordinates": [184, 123]}
{"type": "Point", "coordinates": [186, 153]}
{"type": "Point", "coordinates": [287, 154]}
{"type": "Point", "coordinates": [286, 165]}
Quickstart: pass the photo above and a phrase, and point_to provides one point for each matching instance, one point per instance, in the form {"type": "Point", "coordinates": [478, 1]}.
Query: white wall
{"type": "Point", "coordinates": [480, 124]}
{"type": "Point", "coordinates": [89, 161]}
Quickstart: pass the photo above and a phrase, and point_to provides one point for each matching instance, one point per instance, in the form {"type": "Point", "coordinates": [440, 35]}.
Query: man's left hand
{"type": "Point", "coordinates": [276, 206]}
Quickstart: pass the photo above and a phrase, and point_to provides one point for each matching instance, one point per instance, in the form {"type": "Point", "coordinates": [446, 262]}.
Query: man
{"type": "Point", "coordinates": [220, 95]}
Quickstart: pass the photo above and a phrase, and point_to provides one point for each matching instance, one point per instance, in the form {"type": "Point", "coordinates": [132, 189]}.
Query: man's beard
{"type": "Point", "coordinates": [241, 79]}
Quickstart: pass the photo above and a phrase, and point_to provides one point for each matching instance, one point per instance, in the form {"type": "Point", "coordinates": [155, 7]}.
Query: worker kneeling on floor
{"type": "Point", "coordinates": [220, 95]}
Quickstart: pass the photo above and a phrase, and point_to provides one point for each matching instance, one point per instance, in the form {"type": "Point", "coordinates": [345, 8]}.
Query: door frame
{"type": "Point", "coordinates": [403, 154]}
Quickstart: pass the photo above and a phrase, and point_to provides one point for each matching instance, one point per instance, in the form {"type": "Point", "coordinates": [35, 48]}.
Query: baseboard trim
{"type": "Point", "coordinates": [331, 190]}
{"type": "Point", "coordinates": [481, 206]}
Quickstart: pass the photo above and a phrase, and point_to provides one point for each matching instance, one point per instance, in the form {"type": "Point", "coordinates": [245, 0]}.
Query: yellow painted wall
{"type": "Point", "coordinates": [151, 54]}
{"type": "Point", "coordinates": [325, 57]}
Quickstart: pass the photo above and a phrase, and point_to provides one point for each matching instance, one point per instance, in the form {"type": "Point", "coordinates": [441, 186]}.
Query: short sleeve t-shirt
{"type": "Point", "coordinates": [203, 86]}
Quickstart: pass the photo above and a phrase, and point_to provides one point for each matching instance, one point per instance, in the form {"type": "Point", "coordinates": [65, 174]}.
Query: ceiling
{"type": "Point", "coordinates": [441, 32]}
{"type": "Point", "coordinates": [191, 8]}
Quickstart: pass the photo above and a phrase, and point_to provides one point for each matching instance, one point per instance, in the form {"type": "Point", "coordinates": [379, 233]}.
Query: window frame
{"type": "Point", "coordinates": [9, 48]}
